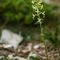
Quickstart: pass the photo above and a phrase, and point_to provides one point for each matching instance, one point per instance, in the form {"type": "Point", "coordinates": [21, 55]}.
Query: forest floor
{"type": "Point", "coordinates": [35, 48]}
{"type": "Point", "coordinates": [32, 45]}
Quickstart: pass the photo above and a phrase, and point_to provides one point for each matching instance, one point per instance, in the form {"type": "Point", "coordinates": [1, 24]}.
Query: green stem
{"type": "Point", "coordinates": [42, 36]}
{"type": "Point", "coordinates": [46, 50]}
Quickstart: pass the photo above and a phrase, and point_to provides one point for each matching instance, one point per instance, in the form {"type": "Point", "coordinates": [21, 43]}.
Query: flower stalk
{"type": "Point", "coordinates": [38, 11]}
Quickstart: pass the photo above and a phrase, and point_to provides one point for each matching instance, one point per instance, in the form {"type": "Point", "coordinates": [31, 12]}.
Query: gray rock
{"type": "Point", "coordinates": [11, 38]}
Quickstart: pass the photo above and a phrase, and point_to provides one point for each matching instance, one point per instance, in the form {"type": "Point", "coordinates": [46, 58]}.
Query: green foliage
{"type": "Point", "coordinates": [51, 15]}
{"type": "Point", "coordinates": [6, 58]}
{"type": "Point", "coordinates": [21, 10]}
{"type": "Point", "coordinates": [16, 10]}
{"type": "Point", "coordinates": [50, 11]}
{"type": "Point", "coordinates": [33, 58]}
{"type": "Point", "coordinates": [15, 59]}
{"type": "Point", "coordinates": [52, 36]}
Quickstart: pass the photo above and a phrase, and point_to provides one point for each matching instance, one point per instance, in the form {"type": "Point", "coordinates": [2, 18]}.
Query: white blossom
{"type": "Point", "coordinates": [40, 1]}
{"type": "Point", "coordinates": [41, 6]}
{"type": "Point", "coordinates": [37, 11]}
{"type": "Point", "coordinates": [37, 7]}
{"type": "Point", "coordinates": [43, 13]}
{"type": "Point", "coordinates": [39, 20]}
{"type": "Point", "coordinates": [34, 7]}
{"type": "Point", "coordinates": [33, 16]}
{"type": "Point", "coordinates": [32, 1]}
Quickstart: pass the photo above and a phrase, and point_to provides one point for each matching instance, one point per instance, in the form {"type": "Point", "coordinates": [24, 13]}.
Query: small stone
{"type": "Point", "coordinates": [29, 47]}
{"type": "Point", "coordinates": [36, 46]}
{"type": "Point", "coordinates": [42, 52]}
{"type": "Point", "coordinates": [42, 45]}
{"type": "Point", "coordinates": [32, 54]}
{"type": "Point", "coordinates": [19, 58]}
{"type": "Point", "coordinates": [7, 46]}
{"type": "Point", "coordinates": [10, 56]}
{"type": "Point", "coordinates": [25, 51]}
{"type": "Point", "coordinates": [1, 57]}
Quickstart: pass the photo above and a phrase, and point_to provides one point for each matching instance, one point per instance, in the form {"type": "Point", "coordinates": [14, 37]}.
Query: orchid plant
{"type": "Point", "coordinates": [38, 12]}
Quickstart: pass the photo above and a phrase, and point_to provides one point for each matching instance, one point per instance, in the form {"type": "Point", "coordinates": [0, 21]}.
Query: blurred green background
{"type": "Point", "coordinates": [21, 11]}
{"type": "Point", "coordinates": [16, 15]}
{"type": "Point", "coordinates": [16, 11]}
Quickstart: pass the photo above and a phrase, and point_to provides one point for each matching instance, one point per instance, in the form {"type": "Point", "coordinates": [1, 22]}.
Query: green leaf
{"type": "Point", "coordinates": [56, 33]}
{"type": "Point", "coordinates": [33, 58]}
{"type": "Point", "coordinates": [16, 59]}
